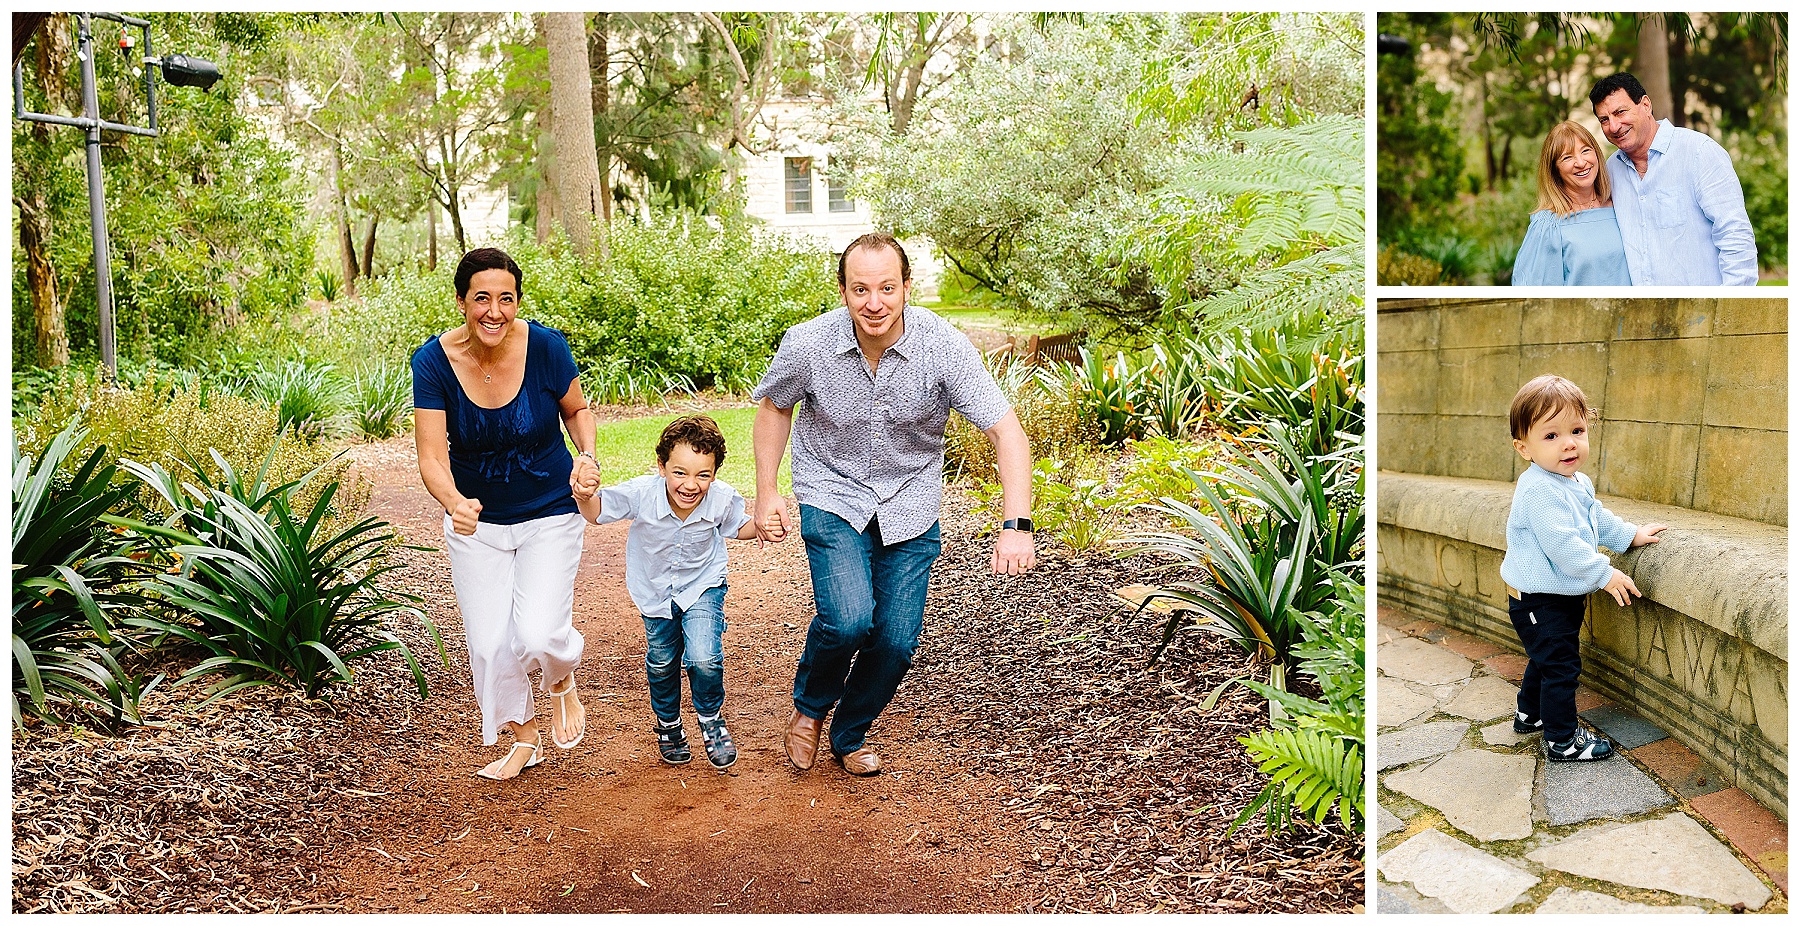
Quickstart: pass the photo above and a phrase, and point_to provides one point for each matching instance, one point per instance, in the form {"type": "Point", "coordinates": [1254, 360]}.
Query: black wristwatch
{"type": "Point", "coordinates": [1016, 524]}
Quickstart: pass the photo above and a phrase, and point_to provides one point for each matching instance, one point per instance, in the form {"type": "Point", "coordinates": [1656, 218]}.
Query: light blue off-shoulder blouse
{"type": "Point", "coordinates": [1581, 249]}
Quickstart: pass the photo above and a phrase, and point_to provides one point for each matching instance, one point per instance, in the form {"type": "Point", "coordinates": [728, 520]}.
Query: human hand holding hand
{"type": "Point", "coordinates": [1622, 588]}
{"type": "Point", "coordinates": [584, 477]}
{"type": "Point", "coordinates": [1014, 553]}
{"type": "Point", "coordinates": [1647, 534]}
{"type": "Point", "coordinates": [772, 522]}
{"type": "Point", "coordinates": [465, 516]}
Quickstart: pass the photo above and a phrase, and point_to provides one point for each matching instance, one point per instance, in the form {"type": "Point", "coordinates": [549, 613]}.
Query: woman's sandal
{"type": "Point", "coordinates": [537, 755]}
{"type": "Point", "coordinates": [562, 700]}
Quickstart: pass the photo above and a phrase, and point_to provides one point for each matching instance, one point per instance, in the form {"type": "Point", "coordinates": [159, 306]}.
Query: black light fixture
{"type": "Point", "coordinates": [178, 70]}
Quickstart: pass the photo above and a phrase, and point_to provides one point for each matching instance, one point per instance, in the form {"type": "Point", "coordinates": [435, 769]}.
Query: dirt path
{"type": "Point", "coordinates": [607, 827]}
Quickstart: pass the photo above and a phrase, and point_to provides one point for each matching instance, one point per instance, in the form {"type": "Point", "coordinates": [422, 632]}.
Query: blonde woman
{"type": "Point", "coordinates": [1574, 236]}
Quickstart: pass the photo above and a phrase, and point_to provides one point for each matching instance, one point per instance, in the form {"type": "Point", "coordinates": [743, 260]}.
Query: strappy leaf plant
{"type": "Point", "coordinates": [381, 401]}
{"type": "Point", "coordinates": [73, 580]}
{"type": "Point", "coordinates": [277, 596]}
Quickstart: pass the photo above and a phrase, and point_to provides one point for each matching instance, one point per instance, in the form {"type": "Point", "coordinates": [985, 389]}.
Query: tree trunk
{"type": "Point", "coordinates": [346, 244]}
{"type": "Point", "coordinates": [431, 234]}
{"type": "Point", "coordinates": [599, 61]}
{"type": "Point", "coordinates": [1678, 82]}
{"type": "Point", "coordinates": [40, 279]}
{"type": "Point", "coordinates": [1652, 64]}
{"type": "Point", "coordinates": [578, 191]}
{"type": "Point", "coordinates": [1487, 132]}
{"type": "Point", "coordinates": [368, 261]}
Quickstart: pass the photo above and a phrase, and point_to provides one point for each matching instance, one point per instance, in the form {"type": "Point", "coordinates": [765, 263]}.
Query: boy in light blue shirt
{"type": "Point", "coordinates": [1553, 562]}
{"type": "Point", "coordinates": [675, 571]}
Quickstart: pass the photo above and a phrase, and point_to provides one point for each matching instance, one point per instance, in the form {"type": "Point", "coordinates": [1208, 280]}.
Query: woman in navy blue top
{"type": "Point", "coordinates": [492, 398]}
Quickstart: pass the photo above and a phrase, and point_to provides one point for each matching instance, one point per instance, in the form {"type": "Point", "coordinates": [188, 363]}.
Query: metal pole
{"type": "Point", "coordinates": [90, 107]}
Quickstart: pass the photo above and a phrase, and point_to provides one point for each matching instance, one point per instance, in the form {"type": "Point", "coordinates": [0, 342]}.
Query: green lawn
{"type": "Point", "coordinates": [628, 448]}
{"type": "Point", "coordinates": [998, 319]}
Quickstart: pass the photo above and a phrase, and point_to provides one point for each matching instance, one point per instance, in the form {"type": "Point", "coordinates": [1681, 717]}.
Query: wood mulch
{"type": "Point", "coordinates": [1122, 784]}
{"type": "Point", "coordinates": [1099, 783]}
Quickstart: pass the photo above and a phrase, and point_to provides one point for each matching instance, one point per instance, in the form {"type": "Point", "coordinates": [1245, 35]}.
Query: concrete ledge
{"type": "Point", "coordinates": [1727, 573]}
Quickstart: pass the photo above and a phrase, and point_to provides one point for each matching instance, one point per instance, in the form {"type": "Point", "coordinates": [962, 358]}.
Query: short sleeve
{"type": "Point", "coordinates": [621, 502]}
{"type": "Point", "coordinates": [1540, 259]}
{"type": "Point", "coordinates": [789, 375]}
{"type": "Point", "coordinates": [428, 382]}
{"type": "Point", "coordinates": [735, 517]}
{"type": "Point", "coordinates": [560, 361]}
{"type": "Point", "coordinates": [971, 388]}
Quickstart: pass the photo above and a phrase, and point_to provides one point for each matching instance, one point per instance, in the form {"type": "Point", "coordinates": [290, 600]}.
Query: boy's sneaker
{"type": "Point", "coordinates": [1524, 723]}
{"type": "Point", "coordinates": [1582, 747]}
{"type": "Point", "coordinates": [720, 751]}
{"type": "Point", "coordinates": [672, 743]}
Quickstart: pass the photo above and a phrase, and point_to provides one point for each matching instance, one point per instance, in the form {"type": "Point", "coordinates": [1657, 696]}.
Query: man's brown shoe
{"type": "Point", "coordinates": [862, 762]}
{"type": "Point", "coordinates": [803, 740]}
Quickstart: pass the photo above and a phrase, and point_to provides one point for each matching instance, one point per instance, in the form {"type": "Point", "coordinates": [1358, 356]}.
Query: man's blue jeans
{"type": "Point", "coordinates": [871, 601]}
{"type": "Point", "coordinates": [693, 637]}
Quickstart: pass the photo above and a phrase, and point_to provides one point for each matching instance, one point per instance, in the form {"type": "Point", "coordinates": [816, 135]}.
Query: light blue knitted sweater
{"type": "Point", "coordinates": [1553, 532]}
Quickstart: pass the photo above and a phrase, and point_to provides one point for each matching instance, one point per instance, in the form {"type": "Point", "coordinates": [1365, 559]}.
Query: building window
{"type": "Point", "coordinates": [799, 184]}
{"type": "Point", "coordinates": [837, 189]}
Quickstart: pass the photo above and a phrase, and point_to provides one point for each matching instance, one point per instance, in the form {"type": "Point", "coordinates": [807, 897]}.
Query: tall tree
{"type": "Point", "coordinates": [578, 189]}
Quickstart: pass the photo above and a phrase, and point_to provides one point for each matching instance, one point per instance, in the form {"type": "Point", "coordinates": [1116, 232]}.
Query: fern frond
{"type": "Point", "coordinates": [1310, 772]}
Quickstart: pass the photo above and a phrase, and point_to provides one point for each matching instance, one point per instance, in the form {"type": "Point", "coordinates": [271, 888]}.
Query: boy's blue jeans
{"type": "Point", "coordinates": [1549, 626]}
{"type": "Point", "coordinates": [871, 601]}
{"type": "Point", "coordinates": [694, 637]}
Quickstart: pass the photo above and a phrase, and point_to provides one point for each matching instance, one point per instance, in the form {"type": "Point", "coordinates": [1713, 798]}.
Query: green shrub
{"type": "Point", "coordinates": [381, 401]}
{"type": "Point", "coordinates": [72, 576]}
{"type": "Point", "coordinates": [1049, 410]}
{"type": "Point", "coordinates": [307, 396]}
{"type": "Point", "coordinates": [172, 426]}
{"type": "Point", "coordinates": [1394, 267]}
{"type": "Point", "coordinates": [1159, 467]}
{"type": "Point", "coordinates": [329, 285]}
{"type": "Point", "coordinates": [1072, 502]}
{"type": "Point", "coordinates": [1306, 374]}
{"type": "Point", "coordinates": [278, 595]}
{"type": "Point", "coordinates": [681, 303]}
{"type": "Point", "coordinates": [1114, 396]}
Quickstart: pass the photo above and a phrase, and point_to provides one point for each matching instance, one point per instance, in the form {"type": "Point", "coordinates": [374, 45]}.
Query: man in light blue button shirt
{"type": "Point", "coordinates": [1679, 203]}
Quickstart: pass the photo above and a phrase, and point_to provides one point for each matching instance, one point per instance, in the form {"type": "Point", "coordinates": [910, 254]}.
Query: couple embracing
{"type": "Point", "coordinates": [864, 391]}
{"type": "Point", "coordinates": [1665, 209]}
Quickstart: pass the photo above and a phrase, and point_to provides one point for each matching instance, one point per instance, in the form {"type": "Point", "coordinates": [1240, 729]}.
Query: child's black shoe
{"type": "Point", "coordinates": [1524, 723]}
{"type": "Point", "coordinates": [720, 750]}
{"type": "Point", "coordinates": [672, 743]}
{"type": "Point", "coordinates": [1582, 747]}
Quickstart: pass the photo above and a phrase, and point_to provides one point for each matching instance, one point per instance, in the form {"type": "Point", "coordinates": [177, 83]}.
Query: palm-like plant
{"type": "Point", "coordinates": [383, 397]}
{"type": "Point", "coordinates": [275, 595]}
{"type": "Point", "coordinates": [71, 577]}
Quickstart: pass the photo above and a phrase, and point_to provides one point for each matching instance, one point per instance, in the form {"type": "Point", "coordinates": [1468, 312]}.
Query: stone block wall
{"type": "Point", "coordinates": [1692, 433]}
{"type": "Point", "coordinates": [1692, 393]}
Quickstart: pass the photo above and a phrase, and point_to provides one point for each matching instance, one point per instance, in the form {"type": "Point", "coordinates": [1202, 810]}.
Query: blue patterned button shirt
{"type": "Point", "coordinates": [1683, 221]}
{"type": "Point", "coordinates": [867, 445]}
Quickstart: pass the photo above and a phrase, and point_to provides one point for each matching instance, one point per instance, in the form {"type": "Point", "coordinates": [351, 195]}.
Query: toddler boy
{"type": "Point", "coordinates": [675, 571]}
{"type": "Point", "coordinates": [1553, 562]}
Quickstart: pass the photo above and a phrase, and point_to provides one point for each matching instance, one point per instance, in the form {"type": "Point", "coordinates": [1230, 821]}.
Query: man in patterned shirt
{"type": "Point", "coordinates": [875, 382]}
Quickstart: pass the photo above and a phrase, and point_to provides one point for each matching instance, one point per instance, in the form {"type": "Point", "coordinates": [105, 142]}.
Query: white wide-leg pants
{"type": "Point", "coordinates": [515, 586]}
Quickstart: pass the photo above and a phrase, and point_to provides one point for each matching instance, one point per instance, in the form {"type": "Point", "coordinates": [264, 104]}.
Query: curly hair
{"type": "Point", "coordinates": [697, 431]}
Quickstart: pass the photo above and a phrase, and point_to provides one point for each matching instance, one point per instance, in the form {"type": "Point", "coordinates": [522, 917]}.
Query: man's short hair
{"type": "Point", "coordinates": [1545, 397]}
{"type": "Point", "coordinates": [697, 431]}
{"type": "Point", "coordinates": [875, 240]}
{"type": "Point", "coordinates": [1620, 81]}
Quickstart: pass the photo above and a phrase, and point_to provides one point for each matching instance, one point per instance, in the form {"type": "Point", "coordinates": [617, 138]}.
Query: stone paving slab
{"type": "Point", "coordinates": [1501, 734]}
{"type": "Point", "coordinates": [1623, 727]}
{"type": "Point", "coordinates": [1387, 901]}
{"type": "Point", "coordinates": [1484, 698]}
{"type": "Point", "coordinates": [1420, 742]}
{"type": "Point", "coordinates": [1429, 631]}
{"type": "Point", "coordinates": [1570, 900]}
{"type": "Point", "coordinates": [1419, 661]}
{"type": "Point", "coordinates": [1396, 704]}
{"type": "Point", "coordinates": [1464, 878]}
{"type": "Point", "coordinates": [1484, 794]}
{"type": "Point", "coordinates": [1680, 768]}
{"type": "Point", "coordinates": [1575, 792]}
{"type": "Point", "coordinates": [1468, 646]}
{"type": "Point", "coordinates": [1509, 666]}
{"type": "Point", "coordinates": [1386, 822]}
{"type": "Point", "coordinates": [1750, 826]}
{"type": "Point", "coordinates": [1672, 854]}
